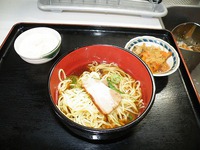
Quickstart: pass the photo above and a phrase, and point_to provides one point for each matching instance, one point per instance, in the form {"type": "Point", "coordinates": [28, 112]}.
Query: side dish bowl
{"type": "Point", "coordinates": [187, 36]}
{"type": "Point", "coordinates": [130, 63]}
{"type": "Point", "coordinates": [173, 61]}
{"type": "Point", "coordinates": [38, 45]}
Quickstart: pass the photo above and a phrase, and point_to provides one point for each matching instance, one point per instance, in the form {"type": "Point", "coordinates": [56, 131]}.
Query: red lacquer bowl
{"type": "Point", "coordinates": [130, 63]}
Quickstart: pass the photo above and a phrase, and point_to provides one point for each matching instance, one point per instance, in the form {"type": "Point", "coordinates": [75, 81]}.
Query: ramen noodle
{"type": "Point", "coordinates": [103, 96]}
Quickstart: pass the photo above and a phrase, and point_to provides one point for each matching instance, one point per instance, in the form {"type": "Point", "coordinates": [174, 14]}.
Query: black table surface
{"type": "Point", "coordinates": [27, 120]}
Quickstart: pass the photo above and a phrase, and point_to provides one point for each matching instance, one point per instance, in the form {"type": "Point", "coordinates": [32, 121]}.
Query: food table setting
{"type": "Point", "coordinates": [33, 115]}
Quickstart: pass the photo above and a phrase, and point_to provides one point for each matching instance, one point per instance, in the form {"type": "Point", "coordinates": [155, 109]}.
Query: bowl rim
{"type": "Point", "coordinates": [158, 41]}
{"type": "Point", "coordinates": [185, 23]}
{"type": "Point", "coordinates": [96, 130]}
{"type": "Point", "coordinates": [52, 51]}
{"type": "Point", "coordinates": [23, 35]}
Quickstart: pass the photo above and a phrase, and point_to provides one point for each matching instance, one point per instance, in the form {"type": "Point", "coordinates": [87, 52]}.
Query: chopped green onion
{"type": "Point", "coordinates": [115, 78]}
{"type": "Point", "coordinates": [73, 80]}
{"type": "Point", "coordinates": [130, 117]}
{"type": "Point", "coordinates": [110, 85]}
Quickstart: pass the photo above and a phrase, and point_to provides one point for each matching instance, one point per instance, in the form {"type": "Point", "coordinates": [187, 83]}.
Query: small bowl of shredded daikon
{"type": "Point", "coordinates": [38, 45]}
{"type": "Point", "coordinates": [159, 55]}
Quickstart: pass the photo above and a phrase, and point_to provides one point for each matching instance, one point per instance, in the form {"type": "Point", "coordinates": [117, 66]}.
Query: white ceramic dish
{"type": "Point", "coordinates": [173, 61]}
{"type": "Point", "coordinates": [38, 45]}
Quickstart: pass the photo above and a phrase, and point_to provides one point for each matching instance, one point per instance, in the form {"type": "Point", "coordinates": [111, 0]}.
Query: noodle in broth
{"type": "Point", "coordinates": [76, 104]}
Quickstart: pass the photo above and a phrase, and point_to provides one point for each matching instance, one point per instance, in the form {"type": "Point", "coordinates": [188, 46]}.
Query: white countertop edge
{"type": "Point", "coordinates": [135, 22]}
{"type": "Point", "coordinates": [16, 11]}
